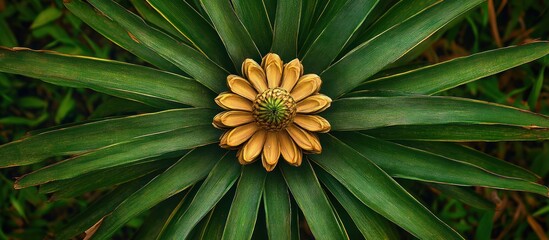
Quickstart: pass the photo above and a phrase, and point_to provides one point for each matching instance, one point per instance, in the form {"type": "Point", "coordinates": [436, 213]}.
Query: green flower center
{"type": "Point", "coordinates": [274, 109]}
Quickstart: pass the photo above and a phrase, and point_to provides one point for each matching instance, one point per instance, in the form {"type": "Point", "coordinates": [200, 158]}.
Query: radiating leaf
{"type": "Point", "coordinates": [310, 197]}
{"type": "Point", "coordinates": [373, 112]}
{"type": "Point", "coordinates": [147, 85]}
{"type": "Point", "coordinates": [168, 144]}
{"type": "Point", "coordinates": [191, 61]}
{"type": "Point", "coordinates": [370, 224]}
{"type": "Point", "coordinates": [336, 34]}
{"type": "Point", "coordinates": [159, 216]}
{"type": "Point", "coordinates": [306, 18]}
{"type": "Point", "coordinates": [278, 210]}
{"type": "Point", "coordinates": [443, 76]}
{"type": "Point", "coordinates": [200, 33]}
{"type": "Point", "coordinates": [465, 195]}
{"type": "Point", "coordinates": [243, 214]}
{"type": "Point", "coordinates": [190, 169]}
{"type": "Point", "coordinates": [89, 136]}
{"type": "Point", "coordinates": [363, 178]}
{"type": "Point", "coordinates": [286, 29]}
{"type": "Point", "coordinates": [147, 12]}
{"type": "Point", "coordinates": [403, 162]}
{"type": "Point", "coordinates": [372, 56]}
{"type": "Point", "coordinates": [326, 15]}
{"type": "Point", "coordinates": [219, 181]}
{"type": "Point", "coordinates": [218, 218]}
{"type": "Point", "coordinates": [254, 16]}
{"type": "Point", "coordinates": [235, 37]}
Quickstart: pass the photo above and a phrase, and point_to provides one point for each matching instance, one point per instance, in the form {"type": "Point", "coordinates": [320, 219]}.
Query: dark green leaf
{"type": "Point", "coordinates": [152, 16]}
{"type": "Point", "coordinates": [46, 16]}
{"type": "Point", "coordinates": [286, 28]}
{"type": "Point", "coordinates": [254, 16]}
{"type": "Point", "coordinates": [218, 218]}
{"type": "Point", "coordinates": [159, 216]}
{"type": "Point", "coordinates": [278, 211]}
{"type": "Point", "coordinates": [465, 195]}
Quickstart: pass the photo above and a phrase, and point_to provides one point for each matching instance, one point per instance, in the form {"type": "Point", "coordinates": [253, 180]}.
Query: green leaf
{"type": "Point", "coordinates": [218, 218]}
{"type": "Point", "coordinates": [372, 56]}
{"type": "Point", "coordinates": [254, 17]}
{"type": "Point", "coordinates": [370, 224]}
{"type": "Point", "coordinates": [147, 85]}
{"type": "Point", "coordinates": [235, 37]}
{"type": "Point", "coordinates": [65, 106]}
{"type": "Point", "coordinates": [404, 162]}
{"type": "Point", "coordinates": [286, 28]}
{"type": "Point", "coordinates": [536, 90]}
{"type": "Point", "coordinates": [168, 144]}
{"type": "Point", "coordinates": [100, 208]}
{"type": "Point", "coordinates": [89, 136]}
{"type": "Point", "coordinates": [243, 214]}
{"type": "Point", "coordinates": [318, 56]}
{"type": "Point", "coordinates": [314, 204]}
{"type": "Point", "coordinates": [306, 18]}
{"type": "Point", "coordinates": [465, 195]}
{"type": "Point", "coordinates": [191, 61]}
{"type": "Point", "coordinates": [190, 169]}
{"type": "Point", "coordinates": [152, 16]}
{"type": "Point", "coordinates": [460, 133]}
{"type": "Point", "coordinates": [46, 16]}
{"type": "Point", "coordinates": [374, 112]}
{"type": "Point", "coordinates": [219, 181]}
{"type": "Point", "coordinates": [472, 156]}
{"type": "Point", "coordinates": [116, 34]}
{"type": "Point", "coordinates": [159, 216]}
{"type": "Point", "coordinates": [443, 76]}
{"type": "Point", "coordinates": [331, 8]}
{"type": "Point", "coordinates": [200, 33]}
{"type": "Point", "coordinates": [363, 178]}
{"type": "Point", "coordinates": [7, 38]}
{"type": "Point", "coordinates": [278, 211]}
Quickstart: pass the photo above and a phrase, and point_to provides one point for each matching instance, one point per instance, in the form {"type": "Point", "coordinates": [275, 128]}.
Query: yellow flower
{"type": "Point", "coordinates": [270, 111]}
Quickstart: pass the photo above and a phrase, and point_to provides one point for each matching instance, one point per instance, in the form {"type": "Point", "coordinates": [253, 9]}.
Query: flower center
{"type": "Point", "coordinates": [274, 109]}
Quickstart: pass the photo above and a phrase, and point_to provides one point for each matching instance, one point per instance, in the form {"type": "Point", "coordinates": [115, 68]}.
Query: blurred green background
{"type": "Point", "coordinates": [29, 104]}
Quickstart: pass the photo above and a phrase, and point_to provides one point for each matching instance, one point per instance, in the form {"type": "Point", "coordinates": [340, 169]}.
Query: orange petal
{"type": "Point", "coordinates": [312, 123]}
{"type": "Point", "coordinates": [306, 86]}
{"type": "Point", "coordinates": [272, 64]}
{"type": "Point", "coordinates": [292, 71]}
{"type": "Point", "coordinates": [241, 87]}
{"type": "Point", "coordinates": [271, 149]}
{"type": "Point", "coordinates": [255, 75]}
{"type": "Point", "coordinates": [239, 135]}
{"type": "Point", "coordinates": [314, 104]}
{"type": "Point", "coordinates": [315, 142]}
{"type": "Point", "coordinates": [253, 147]}
{"type": "Point", "coordinates": [232, 119]}
{"type": "Point", "coordinates": [300, 137]}
{"type": "Point", "coordinates": [232, 101]}
{"type": "Point", "coordinates": [267, 166]}
{"type": "Point", "coordinates": [223, 140]}
{"type": "Point", "coordinates": [290, 152]}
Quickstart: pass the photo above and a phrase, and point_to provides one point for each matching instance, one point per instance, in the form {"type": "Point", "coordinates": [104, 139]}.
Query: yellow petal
{"type": "Point", "coordinates": [271, 149]}
{"type": "Point", "coordinates": [255, 75]}
{"type": "Point", "coordinates": [232, 119]}
{"type": "Point", "coordinates": [232, 101]}
{"type": "Point", "coordinates": [266, 165]}
{"type": "Point", "coordinates": [253, 147]}
{"type": "Point", "coordinates": [290, 152]}
{"type": "Point", "coordinates": [239, 135]}
{"type": "Point", "coordinates": [223, 140]}
{"type": "Point", "coordinates": [292, 71]}
{"type": "Point", "coordinates": [312, 123]}
{"type": "Point", "coordinates": [241, 87]}
{"type": "Point", "coordinates": [272, 64]}
{"type": "Point", "coordinates": [300, 137]}
{"type": "Point", "coordinates": [315, 142]}
{"type": "Point", "coordinates": [306, 86]}
{"type": "Point", "coordinates": [314, 104]}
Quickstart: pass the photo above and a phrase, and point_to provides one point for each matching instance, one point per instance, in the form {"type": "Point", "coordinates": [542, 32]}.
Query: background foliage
{"type": "Point", "coordinates": [28, 104]}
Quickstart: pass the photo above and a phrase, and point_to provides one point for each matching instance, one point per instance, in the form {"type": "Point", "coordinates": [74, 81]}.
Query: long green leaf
{"type": "Point", "coordinates": [379, 191]}
{"type": "Point", "coordinates": [219, 181]}
{"type": "Point", "coordinates": [372, 112]}
{"type": "Point", "coordinates": [337, 33]}
{"type": "Point", "coordinates": [404, 162]}
{"type": "Point", "coordinates": [372, 56]}
{"type": "Point", "coordinates": [465, 195]}
{"type": "Point", "coordinates": [245, 206]}
{"type": "Point", "coordinates": [169, 144]}
{"type": "Point", "coordinates": [218, 218]}
{"type": "Point", "coordinates": [147, 12]}
{"type": "Point", "coordinates": [191, 61]}
{"type": "Point", "coordinates": [100, 208]}
{"type": "Point", "coordinates": [159, 216]}
{"type": "Point", "coordinates": [327, 14]}
{"type": "Point", "coordinates": [461, 133]}
{"type": "Point", "coordinates": [278, 211]}
{"type": "Point", "coordinates": [443, 76]}
{"type": "Point", "coordinates": [116, 34]}
{"type": "Point", "coordinates": [235, 37]}
{"type": "Point", "coordinates": [286, 28]}
{"type": "Point", "coordinates": [307, 17]}
{"type": "Point", "coordinates": [370, 224]}
{"type": "Point", "coordinates": [200, 33]}
{"type": "Point", "coordinates": [310, 197]}
{"type": "Point", "coordinates": [254, 16]}
{"type": "Point", "coordinates": [89, 136]}
{"type": "Point", "coordinates": [466, 154]}
{"type": "Point", "coordinates": [190, 169]}
{"type": "Point", "coordinates": [147, 85]}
